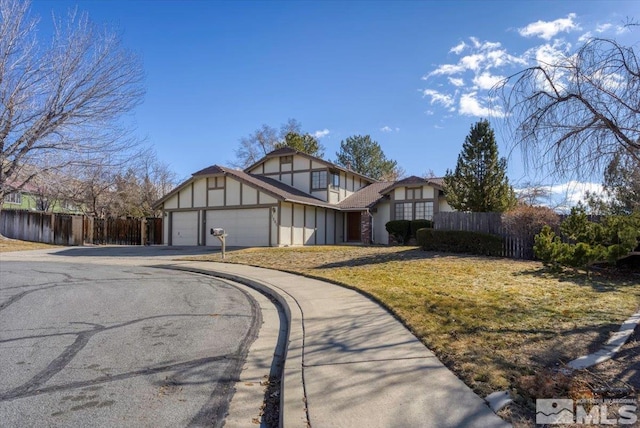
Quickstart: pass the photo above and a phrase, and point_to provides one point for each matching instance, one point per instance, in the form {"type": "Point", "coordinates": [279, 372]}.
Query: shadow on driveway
{"type": "Point", "coordinates": [138, 251]}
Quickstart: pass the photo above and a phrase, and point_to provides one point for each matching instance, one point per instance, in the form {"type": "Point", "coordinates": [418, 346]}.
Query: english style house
{"type": "Point", "coordinates": [289, 198]}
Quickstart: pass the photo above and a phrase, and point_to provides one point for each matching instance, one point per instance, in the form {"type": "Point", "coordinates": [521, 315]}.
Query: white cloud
{"type": "Point", "coordinates": [389, 129]}
{"type": "Point", "coordinates": [457, 49]}
{"type": "Point", "coordinates": [471, 105]}
{"type": "Point", "coordinates": [586, 36]}
{"type": "Point", "coordinates": [429, 112]}
{"type": "Point", "coordinates": [603, 27]}
{"type": "Point", "coordinates": [438, 97]}
{"type": "Point", "coordinates": [549, 29]}
{"type": "Point", "coordinates": [472, 62]}
{"type": "Point", "coordinates": [456, 81]}
{"type": "Point", "coordinates": [445, 69]}
{"type": "Point", "coordinates": [322, 133]}
{"type": "Point", "coordinates": [486, 80]}
{"type": "Point", "coordinates": [570, 193]}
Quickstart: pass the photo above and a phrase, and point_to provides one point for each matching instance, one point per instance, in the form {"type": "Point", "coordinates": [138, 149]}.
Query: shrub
{"type": "Point", "coordinates": [400, 230]}
{"type": "Point", "coordinates": [419, 224]}
{"type": "Point", "coordinates": [583, 242]}
{"type": "Point", "coordinates": [459, 241]}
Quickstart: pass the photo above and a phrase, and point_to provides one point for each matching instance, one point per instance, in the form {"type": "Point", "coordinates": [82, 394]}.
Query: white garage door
{"type": "Point", "coordinates": [246, 228]}
{"type": "Point", "coordinates": [184, 228]}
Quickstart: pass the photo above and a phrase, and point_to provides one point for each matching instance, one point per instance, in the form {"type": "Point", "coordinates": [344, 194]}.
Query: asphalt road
{"type": "Point", "coordinates": [84, 345]}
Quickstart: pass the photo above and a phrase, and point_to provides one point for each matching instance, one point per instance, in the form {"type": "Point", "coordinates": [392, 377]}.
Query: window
{"type": "Point", "coordinates": [414, 193]}
{"type": "Point", "coordinates": [13, 198]}
{"type": "Point", "coordinates": [318, 180]}
{"type": "Point", "coordinates": [404, 211]}
{"type": "Point", "coordinates": [424, 210]}
{"type": "Point", "coordinates": [286, 159]}
{"type": "Point", "coordinates": [335, 179]}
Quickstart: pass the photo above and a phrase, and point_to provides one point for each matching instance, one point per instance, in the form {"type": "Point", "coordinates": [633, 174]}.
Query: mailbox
{"type": "Point", "coordinates": [217, 231]}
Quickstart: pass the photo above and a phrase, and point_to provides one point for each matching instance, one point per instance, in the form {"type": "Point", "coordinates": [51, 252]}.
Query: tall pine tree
{"type": "Point", "coordinates": [479, 182]}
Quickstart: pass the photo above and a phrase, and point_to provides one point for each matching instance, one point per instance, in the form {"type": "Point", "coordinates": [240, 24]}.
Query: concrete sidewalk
{"type": "Point", "coordinates": [353, 363]}
{"type": "Point", "coordinates": [349, 363]}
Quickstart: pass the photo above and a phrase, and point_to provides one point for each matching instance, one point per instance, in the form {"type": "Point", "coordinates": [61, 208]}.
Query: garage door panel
{"type": "Point", "coordinates": [245, 228]}
{"type": "Point", "coordinates": [184, 228]}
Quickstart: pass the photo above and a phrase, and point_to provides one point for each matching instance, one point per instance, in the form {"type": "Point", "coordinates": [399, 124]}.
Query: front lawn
{"type": "Point", "coordinates": [497, 323]}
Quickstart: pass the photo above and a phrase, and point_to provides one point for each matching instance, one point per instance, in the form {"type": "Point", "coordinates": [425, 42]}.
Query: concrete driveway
{"type": "Point", "coordinates": [117, 345]}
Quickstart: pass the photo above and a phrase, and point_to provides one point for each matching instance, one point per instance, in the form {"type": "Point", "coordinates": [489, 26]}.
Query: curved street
{"type": "Point", "coordinates": [92, 345]}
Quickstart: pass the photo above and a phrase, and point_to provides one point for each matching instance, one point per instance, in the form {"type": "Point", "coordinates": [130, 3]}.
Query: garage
{"type": "Point", "coordinates": [245, 227]}
{"type": "Point", "coordinates": [184, 228]}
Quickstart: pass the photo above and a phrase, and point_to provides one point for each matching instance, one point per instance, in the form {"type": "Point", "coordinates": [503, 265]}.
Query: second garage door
{"type": "Point", "coordinates": [184, 228]}
{"type": "Point", "coordinates": [245, 228]}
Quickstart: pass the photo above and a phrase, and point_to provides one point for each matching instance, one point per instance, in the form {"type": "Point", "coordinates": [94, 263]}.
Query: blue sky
{"type": "Point", "coordinates": [413, 75]}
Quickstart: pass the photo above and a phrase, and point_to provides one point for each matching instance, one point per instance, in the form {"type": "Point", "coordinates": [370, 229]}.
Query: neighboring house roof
{"type": "Point", "coordinates": [365, 197]}
{"type": "Point", "coordinates": [287, 151]}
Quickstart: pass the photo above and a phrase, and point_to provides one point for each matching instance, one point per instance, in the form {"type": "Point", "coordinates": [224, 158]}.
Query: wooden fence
{"type": "Point", "coordinates": [515, 246]}
{"type": "Point", "coordinates": [65, 229]}
{"type": "Point", "coordinates": [59, 229]}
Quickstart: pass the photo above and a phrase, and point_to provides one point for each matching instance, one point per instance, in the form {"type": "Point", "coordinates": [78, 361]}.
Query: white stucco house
{"type": "Point", "coordinates": [291, 198]}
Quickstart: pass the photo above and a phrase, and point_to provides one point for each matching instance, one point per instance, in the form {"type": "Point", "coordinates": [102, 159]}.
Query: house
{"type": "Point", "coordinates": [291, 198]}
{"type": "Point", "coordinates": [33, 197]}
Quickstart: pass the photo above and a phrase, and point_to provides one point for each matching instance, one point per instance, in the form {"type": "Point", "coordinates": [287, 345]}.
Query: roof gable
{"type": "Point", "coordinates": [287, 151]}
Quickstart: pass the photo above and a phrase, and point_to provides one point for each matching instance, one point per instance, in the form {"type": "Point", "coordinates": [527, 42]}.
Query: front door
{"type": "Point", "coordinates": [353, 227]}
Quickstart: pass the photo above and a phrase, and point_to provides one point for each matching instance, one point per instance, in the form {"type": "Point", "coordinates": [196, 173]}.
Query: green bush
{"type": "Point", "coordinates": [459, 241]}
{"type": "Point", "coordinates": [419, 224]}
{"type": "Point", "coordinates": [583, 242]}
{"type": "Point", "coordinates": [400, 230]}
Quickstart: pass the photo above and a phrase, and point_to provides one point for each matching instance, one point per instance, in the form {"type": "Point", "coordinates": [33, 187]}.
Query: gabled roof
{"type": "Point", "coordinates": [288, 151]}
{"type": "Point", "coordinates": [365, 197]}
{"type": "Point", "coordinates": [413, 180]}
{"type": "Point", "coordinates": [268, 185]}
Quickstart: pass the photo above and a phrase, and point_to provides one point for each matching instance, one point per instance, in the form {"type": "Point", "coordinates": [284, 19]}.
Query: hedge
{"type": "Point", "coordinates": [400, 229]}
{"type": "Point", "coordinates": [403, 230]}
{"type": "Point", "coordinates": [459, 241]}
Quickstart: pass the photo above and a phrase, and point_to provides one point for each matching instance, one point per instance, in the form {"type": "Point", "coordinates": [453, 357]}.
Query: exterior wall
{"type": "Point", "coordinates": [380, 218]}
{"type": "Point", "coordinates": [216, 198]}
{"type": "Point", "coordinates": [330, 217]}
{"type": "Point", "coordinates": [297, 174]}
{"type": "Point", "coordinates": [232, 194]}
{"type": "Point", "coordinates": [200, 193]}
{"type": "Point", "coordinates": [249, 195]}
{"type": "Point", "coordinates": [340, 228]}
{"type": "Point", "coordinates": [309, 225]}
{"type": "Point", "coordinates": [443, 206]}
{"type": "Point", "coordinates": [404, 195]}
{"type": "Point", "coordinates": [321, 226]}
{"type": "Point", "coordinates": [298, 225]}
{"type": "Point", "coordinates": [185, 197]}
{"type": "Point", "coordinates": [286, 223]}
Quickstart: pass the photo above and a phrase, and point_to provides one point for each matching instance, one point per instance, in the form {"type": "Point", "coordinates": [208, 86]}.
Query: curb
{"type": "Point", "coordinates": [611, 348]}
{"type": "Point", "coordinates": [293, 408]}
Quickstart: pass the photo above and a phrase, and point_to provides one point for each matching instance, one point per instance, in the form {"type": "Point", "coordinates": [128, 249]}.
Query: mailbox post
{"type": "Point", "coordinates": [219, 233]}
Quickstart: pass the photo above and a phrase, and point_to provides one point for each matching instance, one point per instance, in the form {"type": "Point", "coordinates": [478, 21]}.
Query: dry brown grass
{"type": "Point", "coordinates": [497, 323]}
{"type": "Point", "coordinates": [7, 245]}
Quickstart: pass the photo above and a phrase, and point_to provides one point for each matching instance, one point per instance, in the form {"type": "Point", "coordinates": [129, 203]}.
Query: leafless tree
{"type": "Point", "coordinates": [262, 141]}
{"type": "Point", "coordinates": [62, 100]}
{"type": "Point", "coordinates": [572, 116]}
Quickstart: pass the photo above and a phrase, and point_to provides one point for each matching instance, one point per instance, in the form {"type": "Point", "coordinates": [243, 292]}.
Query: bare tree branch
{"type": "Point", "coordinates": [576, 114]}
{"type": "Point", "coordinates": [61, 104]}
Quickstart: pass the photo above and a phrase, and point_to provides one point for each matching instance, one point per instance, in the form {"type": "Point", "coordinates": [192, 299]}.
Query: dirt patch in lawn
{"type": "Point", "coordinates": [497, 323]}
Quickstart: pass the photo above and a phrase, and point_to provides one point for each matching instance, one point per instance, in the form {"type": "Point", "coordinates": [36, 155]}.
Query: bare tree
{"type": "Point", "coordinates": [262, 141]}
{"type": "Point", "coordinates": [574, 115]}
{"type": "Point", "coordinates": [61, 101]}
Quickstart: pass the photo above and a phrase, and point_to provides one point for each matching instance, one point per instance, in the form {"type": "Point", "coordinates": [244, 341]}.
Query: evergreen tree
{"type": "Point", "coordinates": [364, 156]}
{"type": "Point", "coordinates": [479, 182]}
{"type": "Point", "coordinates": [305, 143]}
